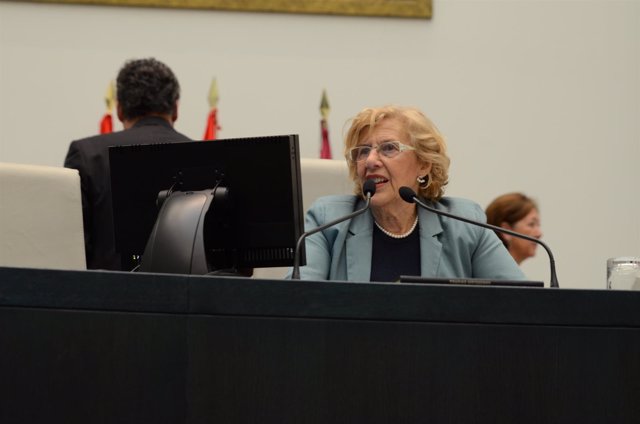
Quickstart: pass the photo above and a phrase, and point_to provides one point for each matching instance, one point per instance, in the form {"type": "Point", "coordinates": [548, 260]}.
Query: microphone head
{"type": "Point", "coordinates": [369, 188]}
{"type": "Point", "coordinates": [407, 194]}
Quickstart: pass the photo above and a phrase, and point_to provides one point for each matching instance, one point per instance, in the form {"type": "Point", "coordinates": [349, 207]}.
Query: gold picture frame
{"type": "Point", "coordinates": [390, 8]}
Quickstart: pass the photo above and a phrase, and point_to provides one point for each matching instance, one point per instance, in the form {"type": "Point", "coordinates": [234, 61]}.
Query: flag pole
{"type": "Point", "coordinates": [212, 119]}
{"type": "Point", "coordinates": [325, 150]}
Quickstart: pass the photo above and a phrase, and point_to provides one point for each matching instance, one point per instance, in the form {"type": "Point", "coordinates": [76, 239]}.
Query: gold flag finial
{"type": "Point", "coordinates": [324, 105]}
{"type": "Point", "coordinates": [213, 94]}
{"type": "Point", "coordinates": [110, 96]}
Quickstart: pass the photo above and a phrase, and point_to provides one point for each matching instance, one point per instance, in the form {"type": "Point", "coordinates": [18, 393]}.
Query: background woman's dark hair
{"type": "Point", "coordinates": [147, 87]}
{"type": "Point", "coordinates": [509, 208]}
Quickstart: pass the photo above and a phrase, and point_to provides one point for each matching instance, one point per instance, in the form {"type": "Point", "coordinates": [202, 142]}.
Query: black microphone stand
{"type": "Point", "coordinates": [409, 195]}
{"type": "Point", "coordinates": [369, 189]}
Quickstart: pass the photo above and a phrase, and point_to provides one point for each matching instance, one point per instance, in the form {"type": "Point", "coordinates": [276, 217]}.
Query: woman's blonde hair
{"type": "Point", "coordinates": [422, 134]}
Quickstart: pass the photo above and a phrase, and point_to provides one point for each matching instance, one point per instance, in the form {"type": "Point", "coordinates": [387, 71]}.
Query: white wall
{"type": "Point", "coordinates": [537, 96]}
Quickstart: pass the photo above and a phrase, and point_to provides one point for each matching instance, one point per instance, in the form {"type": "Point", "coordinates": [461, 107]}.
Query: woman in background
{"type": "Point", "coordinates": [519, 213]}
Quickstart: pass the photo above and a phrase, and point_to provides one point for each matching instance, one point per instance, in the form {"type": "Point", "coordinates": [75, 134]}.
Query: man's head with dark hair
{"type": "Point", "coordinates": [146, 87]}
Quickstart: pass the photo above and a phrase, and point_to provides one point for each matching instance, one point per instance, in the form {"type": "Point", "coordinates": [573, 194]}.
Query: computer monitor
{"type": "Point", "coordinates": [206, 207]}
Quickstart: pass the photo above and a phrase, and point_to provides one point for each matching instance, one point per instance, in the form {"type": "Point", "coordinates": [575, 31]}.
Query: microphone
{"type": "Point", "coordinates": [409, 196]}
{"type": "Point", "coordinates": [368, 189]}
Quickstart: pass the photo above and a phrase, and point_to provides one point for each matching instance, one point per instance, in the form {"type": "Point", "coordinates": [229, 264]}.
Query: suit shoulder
{"type": "Point", "coordinates": [330, 207]}
{"type": "Point", "coordinates": [337, 201]}
{"type": "Point", "coordinates": [461, 206]}
{"type": "Point", "coordinates": [97, 139]}
{"type": "Point", "coordinates": [135, 135]}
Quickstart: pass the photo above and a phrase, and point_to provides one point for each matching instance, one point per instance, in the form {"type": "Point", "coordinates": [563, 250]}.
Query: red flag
{"type": "Point", "coordinates": [106, 124]}
{"type": "Point", "coordinates": [212, 125]}
{"type": "Point", "coordinates": [325, 151]}
{"type": "Point", "coordinates": [212, 120]}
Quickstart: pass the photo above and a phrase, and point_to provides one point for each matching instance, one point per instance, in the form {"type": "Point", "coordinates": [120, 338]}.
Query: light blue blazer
{"type": "Point", "coordinates": [448, 248]}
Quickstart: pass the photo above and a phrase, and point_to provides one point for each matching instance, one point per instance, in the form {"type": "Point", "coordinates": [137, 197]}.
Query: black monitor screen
{"type": "Point", "coordinates": [257, 221]}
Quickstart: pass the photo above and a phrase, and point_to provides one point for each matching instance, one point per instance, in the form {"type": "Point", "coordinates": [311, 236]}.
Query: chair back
{"type": "Point", "coordinates": [40, 217]}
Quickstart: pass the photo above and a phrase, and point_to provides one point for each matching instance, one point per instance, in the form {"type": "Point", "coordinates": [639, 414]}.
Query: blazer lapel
{"type": "Point", "coordinates": [430, 246]}
{"type": "Point", "coordinates": [359, 245]}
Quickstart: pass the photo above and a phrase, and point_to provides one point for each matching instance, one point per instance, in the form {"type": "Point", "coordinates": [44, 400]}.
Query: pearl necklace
{"type": "Point", "coordinates": [398, 236]}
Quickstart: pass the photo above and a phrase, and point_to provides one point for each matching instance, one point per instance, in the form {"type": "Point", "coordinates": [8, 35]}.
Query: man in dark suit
{"type": "Point", "coordinates": [147, 95]}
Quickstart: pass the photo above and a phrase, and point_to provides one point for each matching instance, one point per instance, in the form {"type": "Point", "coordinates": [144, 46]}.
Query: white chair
{"type": "Point", "coordinates": [320, 177]}
{"type": "Point", "coordinates": [40, 217]}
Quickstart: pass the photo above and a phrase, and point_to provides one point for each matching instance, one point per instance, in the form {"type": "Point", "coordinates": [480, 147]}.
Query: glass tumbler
{"type": "Point", "coordinates": [623, 273]}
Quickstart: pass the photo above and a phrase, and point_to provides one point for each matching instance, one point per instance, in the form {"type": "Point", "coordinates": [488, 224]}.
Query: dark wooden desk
{"type": "Point", "coordinates": [110, 347]}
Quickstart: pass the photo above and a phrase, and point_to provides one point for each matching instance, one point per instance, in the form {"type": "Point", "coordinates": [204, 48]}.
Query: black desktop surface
{"type": "Point", "coordinates": [104, 347]}
{"type": "Point", "coordinates": [185, 294]}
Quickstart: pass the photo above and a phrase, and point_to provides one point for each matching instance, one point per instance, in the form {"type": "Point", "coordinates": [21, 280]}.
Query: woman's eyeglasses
{"type": "Point", "coordinates": [388, 149]}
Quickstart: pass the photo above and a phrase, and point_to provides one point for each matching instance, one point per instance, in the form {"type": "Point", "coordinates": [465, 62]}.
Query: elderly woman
{"type": "Point", "coordinates": [519, 213]}
{"type": "Point", "coordinates": [396, 147]}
